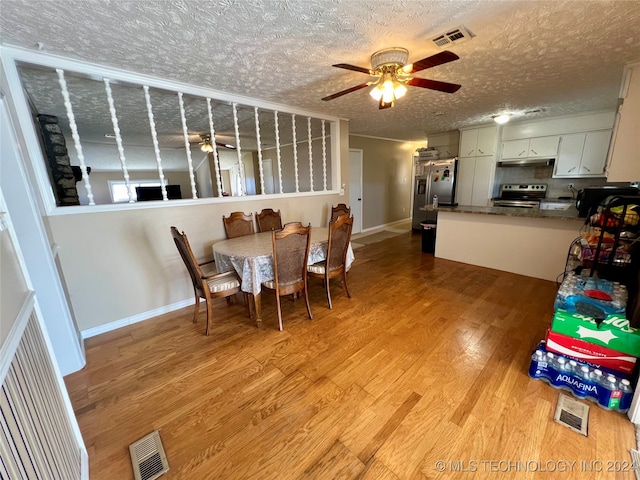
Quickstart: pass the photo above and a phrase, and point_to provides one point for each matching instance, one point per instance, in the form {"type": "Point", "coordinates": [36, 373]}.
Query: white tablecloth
{"type": "Point", "coordinates": [252, 256]}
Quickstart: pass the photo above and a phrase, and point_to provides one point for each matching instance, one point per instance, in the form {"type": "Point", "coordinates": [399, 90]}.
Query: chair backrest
{"type": "Point", "coordinates": [291, 253]}
{"type": "Point", "coordinates": [189, 259]}
{"type": "Point", "coordinates": [340, 209]}
{"type": "Point", "coordinates": [339, 238]}
{"type": "Point", "coordinates": [238, 224]}
{"type": "Point", "coordinates": [269, 219]}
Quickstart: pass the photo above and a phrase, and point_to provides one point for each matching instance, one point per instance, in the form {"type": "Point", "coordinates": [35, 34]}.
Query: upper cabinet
{"type": "Point", "coordinates": [446, 143]}
{"type": "Point", "coordinates": [582, 154]}
{"type": "Point", "coordinates": [540, 147]}
{"type": "Point", "coordinates": [478, 142]}
{"type": "Point", "coordinates": [544, 146]}
{"type": "Point", "coordinates": [624, 157]}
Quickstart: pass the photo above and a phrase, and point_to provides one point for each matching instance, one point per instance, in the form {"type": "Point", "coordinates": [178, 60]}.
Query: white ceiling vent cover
{"type": "Point", "coordinates": [457, 35]}
{"type": "Point", "coordinates": [148, 458]}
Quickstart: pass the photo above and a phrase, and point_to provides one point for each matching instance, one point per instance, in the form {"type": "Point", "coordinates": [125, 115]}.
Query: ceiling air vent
{"type": "Point", "coordinates": [457, 35]}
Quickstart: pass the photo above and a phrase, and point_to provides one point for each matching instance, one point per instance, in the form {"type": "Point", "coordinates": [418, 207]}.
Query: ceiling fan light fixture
{"type": "Point", "coordinates": [388, 88]}
{"type": "Point", "coordinates": [376, 92]}
{"type": "Point", "coordinates": [399, 90]}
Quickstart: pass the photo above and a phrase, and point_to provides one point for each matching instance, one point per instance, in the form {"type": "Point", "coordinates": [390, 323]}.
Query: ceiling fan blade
{"type": "Point", "coordinates": [434, 85]}
{"type": "Point", "coordinates": [434, 61]}
{"type": "Point", "coordinates": [344, 92]}
{"type": "Point", "coordinates": [352, 67]}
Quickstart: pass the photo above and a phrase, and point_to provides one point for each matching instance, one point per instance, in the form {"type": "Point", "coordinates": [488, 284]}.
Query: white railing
{"type": "Point", "coordinates": [286, 148]}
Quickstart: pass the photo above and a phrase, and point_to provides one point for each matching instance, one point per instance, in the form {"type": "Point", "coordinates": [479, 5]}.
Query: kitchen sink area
{"type": "Point", "coordinates": [555, 205]}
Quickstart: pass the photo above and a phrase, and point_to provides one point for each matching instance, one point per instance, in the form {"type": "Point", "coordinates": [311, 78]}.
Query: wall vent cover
{"type": "Point", "coordinates": [457, 35]}
{"type": "Point", "coordinates": [148, 458]}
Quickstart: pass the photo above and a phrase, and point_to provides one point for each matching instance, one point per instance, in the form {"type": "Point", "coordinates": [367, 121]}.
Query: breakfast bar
{"type": "Point", "coordinates": [529, 242]}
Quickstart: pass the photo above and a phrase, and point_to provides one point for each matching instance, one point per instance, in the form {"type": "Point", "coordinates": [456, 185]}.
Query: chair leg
{"type": "Point", "coordinates": [209, 317]}
{"type": "Point", "coordinates": [279, 310]}
{"type": "Point", "coordinates": [306, 299]}
{"type": "Point", "coordinates": [196, 308]}
{"type": "Point", "coordinates": [344, 281]}
{"type": "Point", "coordinates": [326, 286]}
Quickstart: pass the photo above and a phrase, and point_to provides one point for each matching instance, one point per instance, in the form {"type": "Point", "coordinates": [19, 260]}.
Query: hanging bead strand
{"type": "Point", "coordinates": [156, 147]}
{"type": "Point", "coordinates": [185, 133]}
{"type": "Point", "coordinates": [241, 183]}
{"type": "Point", "coordinates": [275, 114]}
{"type": "Point", "coordinates": [74, 134]}
{"type": "Point", "coordinates": [310, 154]}
{"type": "Point", "coordinates": [295, 151]}
{"type": "Point", "coordinates": [261, 169]}
{"type": "Point", "coordinates": [216, 160]}
{"type": "Point", "coordinates": [116, 131]}
{"type": "Point", "coordinates": [324, 157]}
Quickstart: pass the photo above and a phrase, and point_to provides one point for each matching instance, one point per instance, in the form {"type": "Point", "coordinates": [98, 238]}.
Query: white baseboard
{"type": "Point", "coordinates": [108, 327]}
{"type": "Point", "coordinates": [385, 225]}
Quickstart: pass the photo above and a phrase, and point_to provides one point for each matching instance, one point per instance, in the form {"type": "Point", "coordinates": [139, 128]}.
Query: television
{"type": "Point", "coordinates": [145, 194]}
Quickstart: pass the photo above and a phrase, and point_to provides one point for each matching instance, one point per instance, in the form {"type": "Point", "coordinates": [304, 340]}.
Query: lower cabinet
{"type": "Point", "coordinates": [475, 180]}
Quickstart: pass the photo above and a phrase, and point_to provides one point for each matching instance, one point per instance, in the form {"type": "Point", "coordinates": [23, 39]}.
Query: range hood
{"type": "Point", "coordinates": [526, 162]}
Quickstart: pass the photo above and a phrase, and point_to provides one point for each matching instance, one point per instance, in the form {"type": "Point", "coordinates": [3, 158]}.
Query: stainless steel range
{"type": "Point", "coordinates": [520, 195]}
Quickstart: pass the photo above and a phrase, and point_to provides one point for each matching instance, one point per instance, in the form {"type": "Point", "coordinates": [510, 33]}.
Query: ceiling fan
{"type": "Point", "coordinates": [392, 74]}
{"type": "Point", "coordinates": [207, 146]}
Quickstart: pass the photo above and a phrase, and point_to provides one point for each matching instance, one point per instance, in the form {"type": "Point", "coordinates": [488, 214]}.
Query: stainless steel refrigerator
{"type": "Point", "coordinates": [433, 177]}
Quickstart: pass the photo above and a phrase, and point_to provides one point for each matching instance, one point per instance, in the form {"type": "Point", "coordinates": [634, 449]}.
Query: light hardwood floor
{"type": "Point", "coordinates": [427, 361]}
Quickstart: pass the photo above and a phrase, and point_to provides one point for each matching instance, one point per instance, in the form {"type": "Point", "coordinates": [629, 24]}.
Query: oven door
{"type": "Point", "coordinates": [516, 203]}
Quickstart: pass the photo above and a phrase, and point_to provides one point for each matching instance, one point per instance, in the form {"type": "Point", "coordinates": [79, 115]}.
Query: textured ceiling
{"type": "Point", "coordinates": [565, 57]}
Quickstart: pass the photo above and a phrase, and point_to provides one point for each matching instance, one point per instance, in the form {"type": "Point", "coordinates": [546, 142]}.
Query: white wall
{"type": "Point", "coordinates": [123, 264]}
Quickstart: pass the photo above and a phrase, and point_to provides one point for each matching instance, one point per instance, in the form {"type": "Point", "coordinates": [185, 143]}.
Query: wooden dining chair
{"type": "Point", "coordinates": [238, 224]}
{"type": "Point", "coordinates": [207, 282]}
{"type": "Point", "coordinates": [290, 256]}
{"type": "Point", "coordinates": [269, 219]}
{"type": "Point", "coordinates": [340, 209]}
{"type": "Point", "coordinates": [335, 264]}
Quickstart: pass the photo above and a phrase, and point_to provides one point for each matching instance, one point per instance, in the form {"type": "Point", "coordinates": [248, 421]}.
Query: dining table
{"type": "Point", "coordinates": [251, 256]}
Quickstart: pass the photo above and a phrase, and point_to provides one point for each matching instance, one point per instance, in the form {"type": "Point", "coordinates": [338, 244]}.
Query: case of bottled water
{"type": "Point", "coordinates": [610, 390]}
{"type": "Point", "coordinates": [587, 294]}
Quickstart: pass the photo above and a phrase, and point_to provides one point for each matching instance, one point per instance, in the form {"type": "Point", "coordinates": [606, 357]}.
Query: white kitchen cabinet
{"type": "Point", "coordinates": [475, 180]}
{"type": "Point", "coordinates": [544, 147]}
{"type": "Point", "coordinates": [464, 182]}
{"type": "Point", "coordinates": [515, 148]}
{"type": "Point", "coordinates": [446, 143]}
{"type": "Point", "coordinates": [538, 147]}
{"type": "Point", "coordinates": [582, 154]}
{"type": "Point", "coordinates": [478, 142]}
{"type": "Point", "coordinates": [594, 156]}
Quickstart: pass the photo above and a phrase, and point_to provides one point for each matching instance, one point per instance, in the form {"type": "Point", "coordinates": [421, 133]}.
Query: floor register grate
{"type": "Point", "coordinates": [148, 458]}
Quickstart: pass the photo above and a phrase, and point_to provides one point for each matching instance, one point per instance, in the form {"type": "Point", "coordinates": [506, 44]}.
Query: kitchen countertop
{"type": "Point", "coordinates": [570, 213]}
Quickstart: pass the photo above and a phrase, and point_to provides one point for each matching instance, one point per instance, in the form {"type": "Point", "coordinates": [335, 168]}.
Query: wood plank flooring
{"type": "Point", "coordinates": [427, 361]}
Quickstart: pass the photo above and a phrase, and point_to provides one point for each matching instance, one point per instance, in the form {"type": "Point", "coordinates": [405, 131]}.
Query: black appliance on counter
{"type": "Point", "coordinates": [516, 195]}
{"type": "Point", "coordinates": [589, 198]}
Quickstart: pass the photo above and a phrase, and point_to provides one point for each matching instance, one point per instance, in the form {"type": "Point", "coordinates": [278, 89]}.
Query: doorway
{"type": "Point", "coordinates": [355, 188]}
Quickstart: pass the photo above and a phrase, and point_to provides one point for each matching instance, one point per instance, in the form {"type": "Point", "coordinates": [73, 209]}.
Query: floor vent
{"type": "Point", "coordinates": [572, 414]}
{"type": "Point", "coordinates": [635, 461]}
{"type": "Point", "coordinates": [148, 458]}
{"type": "Point", "coordinates": [457, 35]}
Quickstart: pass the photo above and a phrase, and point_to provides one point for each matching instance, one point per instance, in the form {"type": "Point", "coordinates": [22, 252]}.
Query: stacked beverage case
{"type": "Point", "coordinates": [590, 349]}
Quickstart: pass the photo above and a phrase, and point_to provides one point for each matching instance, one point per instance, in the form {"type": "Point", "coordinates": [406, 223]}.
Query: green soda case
{"type": "Point", "coordinates": [614, 331]}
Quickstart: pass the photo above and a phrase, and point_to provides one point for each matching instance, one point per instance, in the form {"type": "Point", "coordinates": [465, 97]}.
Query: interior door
{"type": "Point", "coordinates": [267, 170]}
{"type": "Point", "coordinates": [355, 188]}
